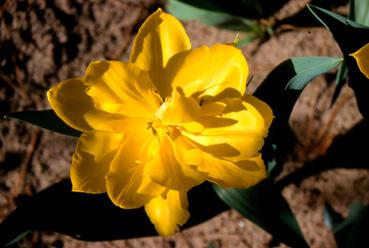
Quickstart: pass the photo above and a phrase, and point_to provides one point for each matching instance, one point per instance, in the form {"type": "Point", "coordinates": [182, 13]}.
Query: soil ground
{"type": "Point", "coordinates": [44, 42]}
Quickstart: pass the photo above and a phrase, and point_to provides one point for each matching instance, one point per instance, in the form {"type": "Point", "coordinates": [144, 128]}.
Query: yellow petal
{"type": "Point", "coordinates": [172, 168]}
{"type": "Point", "coordinates": [247, 115]}
{"type": "Point", "coordinates": [70, 102]}
{"type": "Point", "coordinates": [235, 135]}
{"type": "Point", "coordinates": [240, 145]}
{"type": "Point", "coordinates": [104, 121]}
{"type": "Point", "coordinates": [91, 160]}
{"type": "Point", "coordinates": [160, 37]}
{"type": "Point", "coordinates": [263, 108]}
{"type": "Point", "coordinates": [362, 58]}
{"type": "Point", "coordinates": [128, 182]}
{"type": "Point", "coordinates": [243, 174]}
{"type": "Point", "coordinates": [168, 211]}
{"type": "Point", "coordinates": [119, 87]}
{"type": "Point", "coordinates": [209, 71]}
{"type": "Point", "coordinates": [180, 109]}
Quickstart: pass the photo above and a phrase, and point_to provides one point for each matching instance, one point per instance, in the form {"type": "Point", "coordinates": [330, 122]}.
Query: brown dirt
{"type": "Point", "coordinates": [43, 43]}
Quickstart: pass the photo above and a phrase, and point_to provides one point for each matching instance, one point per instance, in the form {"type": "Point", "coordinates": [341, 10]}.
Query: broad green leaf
{"type": "Point", "coordinates": [94, 217]}
{"type": "Point", "coordinates": [267, 208]}
{"type": "Point", "coordinates": [307, 68]}
{"type": "Point", "coordinates": [350, 37]}
{"type": "Point", "coordinates": [46, 119]}
{"type": "Point", "coordinates": [212, 16]}
{"type": "Point", "coordinates": [280, 89]}
{"type": "Point", "coordinates": [249, 9]}
{"type": "Point", "coordinates": [359, 11]}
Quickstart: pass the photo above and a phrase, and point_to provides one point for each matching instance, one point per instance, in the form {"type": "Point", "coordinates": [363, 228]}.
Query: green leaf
{"type": "Point", "coordinates": [267, 208]}
{"type": "Point", "coordinates": [341, 79]}
{"type": "Point", "coordinates": [343, 29]}
{"type": "Point", "coordinates": [350, 36]}
{"type": "Point", "coordinates": [249, 9]}
{"type": "Point", "coordinates": [280, 90]}
{"type": "Point", "coordinates": [307, 68]}
{"type": "Point", "coordinates": [352, 231]}
{"type": "Point", "coordinates": [359, 11]}
{"type": "Point", "coordinates": [94, 217]}
{"type": "Point", "coordinates": [46, 119]}
{"type": "Point", "coordinates": [212, 16]}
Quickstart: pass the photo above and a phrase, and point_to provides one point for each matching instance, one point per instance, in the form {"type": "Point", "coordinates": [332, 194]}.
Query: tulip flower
{"type": "Point", "coordinates": [167, 120]}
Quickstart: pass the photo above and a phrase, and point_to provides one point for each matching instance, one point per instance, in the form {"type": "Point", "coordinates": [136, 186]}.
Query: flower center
{"type": "Point", "coordinates": [159, 129]}
{"type": "Point", "coordinates": [154, 124]}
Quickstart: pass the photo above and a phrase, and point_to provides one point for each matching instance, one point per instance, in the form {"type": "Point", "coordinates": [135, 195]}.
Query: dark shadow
{"type": "Point", "coordinates": [93, 216]}
{"type": "Point", "coordinates": [12, 161]}
{"type": "Point", "coordinates": [304, 18]}
{"type": "Point", "coordinates": [347, 33]}
{"type": "Point", "coordinates": [347, 151]}
{"type": "Point", "coordinates": [281, 139]}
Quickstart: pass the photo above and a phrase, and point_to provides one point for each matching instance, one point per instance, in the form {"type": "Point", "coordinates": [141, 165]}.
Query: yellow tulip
{"type": "Point", "coordinates": [163, 122]}
{"type": "Point", "coordinates": [362, 58]}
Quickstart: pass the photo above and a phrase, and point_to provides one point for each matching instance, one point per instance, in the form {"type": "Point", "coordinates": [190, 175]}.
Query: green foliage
{"type": "Point", "coordinates": [280, 89]}
{"type": "Point", "coordinates": [249, 9]}
{"type": "Point", "coordinates": [352, 231]}
{"type": "Point", "coordinates": [267, 208]}
{"type": "Point", "coordinates": [333, 21]}
{"type": "Point", "coordinates": [359, 11]}
{"type": "Point", "coordinates": [341, 79]}
{"type": "Point", "coordinates": [239, 15]}
{"type": "Point", "coordinates": [46, 119]}
{"type": "Point", "coordinates": [343, 30]}
{"type": "Point", "coordinates": [307, 68]}
{"type": "Point", "coordinates": [213, 17]}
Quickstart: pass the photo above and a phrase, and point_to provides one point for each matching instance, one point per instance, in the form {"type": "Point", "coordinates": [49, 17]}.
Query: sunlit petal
{"type": "Point", "coordinates": [264, 110]}
{"type": "Point", "coordinates": [362, 58]}
{"type": "Point", "coordinates": [172, 168]}
{"type": "Point", "coordinates": [180, 109]}
{"type": "Point", "coordinates": [70, 102]}
{"type": "Point", "coordinates": [159, 38]}
{"type": "Point", "coordinates": [119, 87]}
{"type": "Point", "coordinates": [235, 135]}
{"type": "Point", "coordinates": [128, 182]}
{"type": "Point", "coordinates": [242, 174]}
{"type": "Point", "coordinates": [208, 71]}
{"type": "Point", "coordinates": [91, 160]}
{"type": "Point", "coordinates": [168, 211]}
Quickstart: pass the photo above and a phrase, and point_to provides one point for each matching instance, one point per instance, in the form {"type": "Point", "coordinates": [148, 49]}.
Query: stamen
{"type": "Point", "coordinates": [150, 126]}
